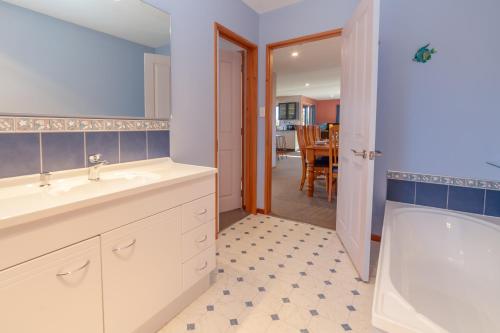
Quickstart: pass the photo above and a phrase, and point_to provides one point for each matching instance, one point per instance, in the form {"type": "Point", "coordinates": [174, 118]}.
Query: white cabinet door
{"type": "Point", "coordinates": [142, 270]}
{"type": "Point", "coordinates": [58, 292]}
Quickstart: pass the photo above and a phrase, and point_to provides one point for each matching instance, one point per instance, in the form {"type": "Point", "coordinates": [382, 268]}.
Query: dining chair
{"type": "Point", "coordinates": [333, 159]}
{"type": "Point", "coordinates": [302, 146]}
{"type": "Point", "coordinates": [306, 137]}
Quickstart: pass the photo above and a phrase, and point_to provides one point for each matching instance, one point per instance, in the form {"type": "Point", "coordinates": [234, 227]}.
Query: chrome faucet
{"type": "Point", "coordinates": [45, 179]}
{"type": "Point", "coordinates": [95, 166]}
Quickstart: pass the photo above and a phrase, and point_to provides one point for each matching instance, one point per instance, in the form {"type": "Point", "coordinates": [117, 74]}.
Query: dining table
{"type": "Point", "coordinates": [314, 151]}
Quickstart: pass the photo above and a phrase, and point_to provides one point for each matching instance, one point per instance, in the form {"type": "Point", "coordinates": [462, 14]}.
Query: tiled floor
{"type": "Point", "coordinates": [276, 275]}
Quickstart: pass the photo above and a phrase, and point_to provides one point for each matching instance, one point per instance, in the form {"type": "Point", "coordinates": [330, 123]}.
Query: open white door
{"type": "Point", "coordinates": [157, 86]}
{"type": "Point", "coordinates": [357, 135]}
{"type": "Point", "coordinates": [230, 139]}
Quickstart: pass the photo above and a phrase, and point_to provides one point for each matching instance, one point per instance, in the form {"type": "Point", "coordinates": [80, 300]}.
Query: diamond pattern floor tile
{"type": "Point", "coordinates": [276, 275]}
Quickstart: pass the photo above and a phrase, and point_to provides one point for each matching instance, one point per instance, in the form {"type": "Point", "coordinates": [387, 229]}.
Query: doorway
{"type": "Point", "coordinates": [304, 89]}
{"type": "Point", "coordinates": [235, 125]}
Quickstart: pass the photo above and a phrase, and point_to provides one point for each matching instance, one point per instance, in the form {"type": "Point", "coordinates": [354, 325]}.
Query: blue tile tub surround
{"type": "Point", "coordinates": [20, 154]}
{"type": "Point", "coordinates": [31, 153]}
{"type": "Point", "coordinates": [465, 199]}
{"type": "Point", "coordinates": [105, 143]}
{"type": "Point", "coordinates": [433, 195]}
{"type": "Point", "coordinates": [133, 146]}
{"type": "Point", "coordinates": [471, 196]}
{"type": "Point", "coordinates": [492, 204]}
{"type": "Point", "coordinates": [62, 151]}
{"type": "Point", "coordinates": [401, 191]}
{"type": "Point", "coordinates": [158, 144]}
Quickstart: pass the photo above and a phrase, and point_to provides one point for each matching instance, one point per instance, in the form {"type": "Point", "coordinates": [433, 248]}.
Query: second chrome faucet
{"type": "Point", "coordinates": [95, 164]}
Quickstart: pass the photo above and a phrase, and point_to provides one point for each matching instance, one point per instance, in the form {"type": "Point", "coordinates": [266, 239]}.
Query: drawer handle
{"type": "Point", "coordinates": [118, 249]}
{"type": "Point", "coordinates": [202, 212]}
{"type": "Point", "coordinates": [76, 270]}
{"type": "Point", "coordinates": [203, 268]}
{"type": "Point", "coordinates": [203, 240]}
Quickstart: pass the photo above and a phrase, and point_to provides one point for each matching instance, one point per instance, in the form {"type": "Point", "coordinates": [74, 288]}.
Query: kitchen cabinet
{"type": "Point", "coordinates": [288, 111]}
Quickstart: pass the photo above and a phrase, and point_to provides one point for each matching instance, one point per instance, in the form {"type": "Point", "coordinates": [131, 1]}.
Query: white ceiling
{"type": "Point", "coordinates": [318, 64]}
{"type": "Point", "coordinates": [132, 20]}
{"type": "Point", "coordinates": [262, 6]}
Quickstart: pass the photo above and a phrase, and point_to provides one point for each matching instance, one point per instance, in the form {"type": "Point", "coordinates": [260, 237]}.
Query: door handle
{"type": "Point", "coordinates": [362, 154]}
{"type": "Point", "coordinates": [374, 153]}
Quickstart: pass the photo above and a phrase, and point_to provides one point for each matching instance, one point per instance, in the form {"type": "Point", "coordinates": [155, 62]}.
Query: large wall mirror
{"type": "Point", "coordinates": [84, 58]}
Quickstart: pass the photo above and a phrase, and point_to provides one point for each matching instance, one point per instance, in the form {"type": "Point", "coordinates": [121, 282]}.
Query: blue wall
{"type": "Point", "coordinates": [441, 117]}
{"type": "Point", "coordinates": [192, 52]}
{"type": "Point", "coordinates": [52, 67]}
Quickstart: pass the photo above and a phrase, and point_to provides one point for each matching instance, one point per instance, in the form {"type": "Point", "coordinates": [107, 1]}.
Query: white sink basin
{"type": "Point", "coordinates": [23, 200]}
{"type": "Point", "coordinates": [107, 180]}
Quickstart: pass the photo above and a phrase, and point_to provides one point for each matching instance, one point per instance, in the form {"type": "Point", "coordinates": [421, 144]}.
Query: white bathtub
{"type": "Point", "coordinates": [438, 271]}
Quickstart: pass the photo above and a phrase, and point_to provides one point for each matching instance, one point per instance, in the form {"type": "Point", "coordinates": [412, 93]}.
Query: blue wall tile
{"type": "Point", "coordinates": [132, 146]}
{"type": "Point", "coordinates": [433, 195]}
{"type": "Point", "coordinates": [105, 143]}
{"type": "Point", "coordinates": [62, 151]}
{"type": "Point", "coordinates": [158, 144]}
{"type": "Point", "coordinates": [470, 200]}
{"type": "Point", "coordinates": [20, 154]}
{"type": "Point", "coordinates": [492, 203]}
{"type": "Point", "coordinates": [401, 191]}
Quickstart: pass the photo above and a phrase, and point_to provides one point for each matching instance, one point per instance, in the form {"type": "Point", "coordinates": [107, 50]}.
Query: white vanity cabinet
{"type": "Point", "coordinates": [126, 263]}
{"type": "Point", "coordinates": [141, 270]}
{"type": "Point", "coordinates": [57, 292]}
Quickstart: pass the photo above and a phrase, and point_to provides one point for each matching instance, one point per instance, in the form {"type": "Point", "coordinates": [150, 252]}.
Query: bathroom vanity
{"type": "Point", "coordinates": [123, 254]}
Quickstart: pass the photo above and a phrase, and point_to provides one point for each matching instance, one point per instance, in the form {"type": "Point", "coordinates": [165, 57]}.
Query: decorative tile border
{"type": "Point", "coordinates": [36, 124]}
{"type": "Point", "coordinates": [444, 180]}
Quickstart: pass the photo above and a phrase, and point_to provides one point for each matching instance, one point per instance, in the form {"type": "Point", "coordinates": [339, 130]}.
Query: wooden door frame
{"type": "Point", "coordinates": [269, 108]}
{"type": "Point", "coordinates": [249, 116]}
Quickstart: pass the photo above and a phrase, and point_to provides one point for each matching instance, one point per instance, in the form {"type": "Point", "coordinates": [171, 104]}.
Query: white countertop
{"type": "Point", "coordinates": [22, 200]}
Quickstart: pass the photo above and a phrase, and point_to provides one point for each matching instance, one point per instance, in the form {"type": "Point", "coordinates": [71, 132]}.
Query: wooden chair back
{"type": "Point", "coordinates": [333, 144]}
{"type": "Point", "coordinates": [301, 137]}
{"type": "Point", "coordinates": [310, 135]}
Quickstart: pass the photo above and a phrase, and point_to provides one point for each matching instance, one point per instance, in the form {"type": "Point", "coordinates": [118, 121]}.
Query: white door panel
{"type": "Point", "coordinates": [157, 86]}
{"type": "Point", "coordinates": [359, 100]}
{"type": "Point", "coordinates": [230, 140]}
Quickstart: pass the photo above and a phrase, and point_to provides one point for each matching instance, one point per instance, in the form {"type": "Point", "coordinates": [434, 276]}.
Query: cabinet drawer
{"type": "Point", "coordinates": [197, 240]}
{"type": "Point", "coordinates": [58, 292]}
{"type": "Point", "coordinates": [198, 267]}
{"type": "Point", "coordinates": [197, 212]}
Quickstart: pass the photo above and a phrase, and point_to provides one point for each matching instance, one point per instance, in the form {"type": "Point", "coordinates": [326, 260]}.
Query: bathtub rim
{"type": "Point", "coordinates": [379, 319]}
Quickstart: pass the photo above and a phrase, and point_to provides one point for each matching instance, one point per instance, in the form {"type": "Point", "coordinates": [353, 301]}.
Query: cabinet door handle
{"type": "Point", "coordinates": [203, 267]}
{"type": "Point", "coordinates": [202, 212]}
{"type": "Point", "coordinates": [204, 239]}
{"type": "Point", "coordinates": [76, 270]}
{"type": "Point", "coordinates": [118, 249]}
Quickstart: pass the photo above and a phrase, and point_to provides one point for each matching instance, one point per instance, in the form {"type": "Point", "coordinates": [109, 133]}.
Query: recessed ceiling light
{"type": "Point", "coordinates": [295, 54]}
{"type": "Point", "coordinates": [307, 84]}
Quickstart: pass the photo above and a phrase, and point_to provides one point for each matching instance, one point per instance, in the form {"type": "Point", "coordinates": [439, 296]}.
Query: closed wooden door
{"type": "Point", "coordinates": [357, 136]}
{"type": "Point", "coordinates": [230, 130]}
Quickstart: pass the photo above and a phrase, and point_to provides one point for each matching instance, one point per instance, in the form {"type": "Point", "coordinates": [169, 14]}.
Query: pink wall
{"type": "Point", "coordinates": [326, 111]}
